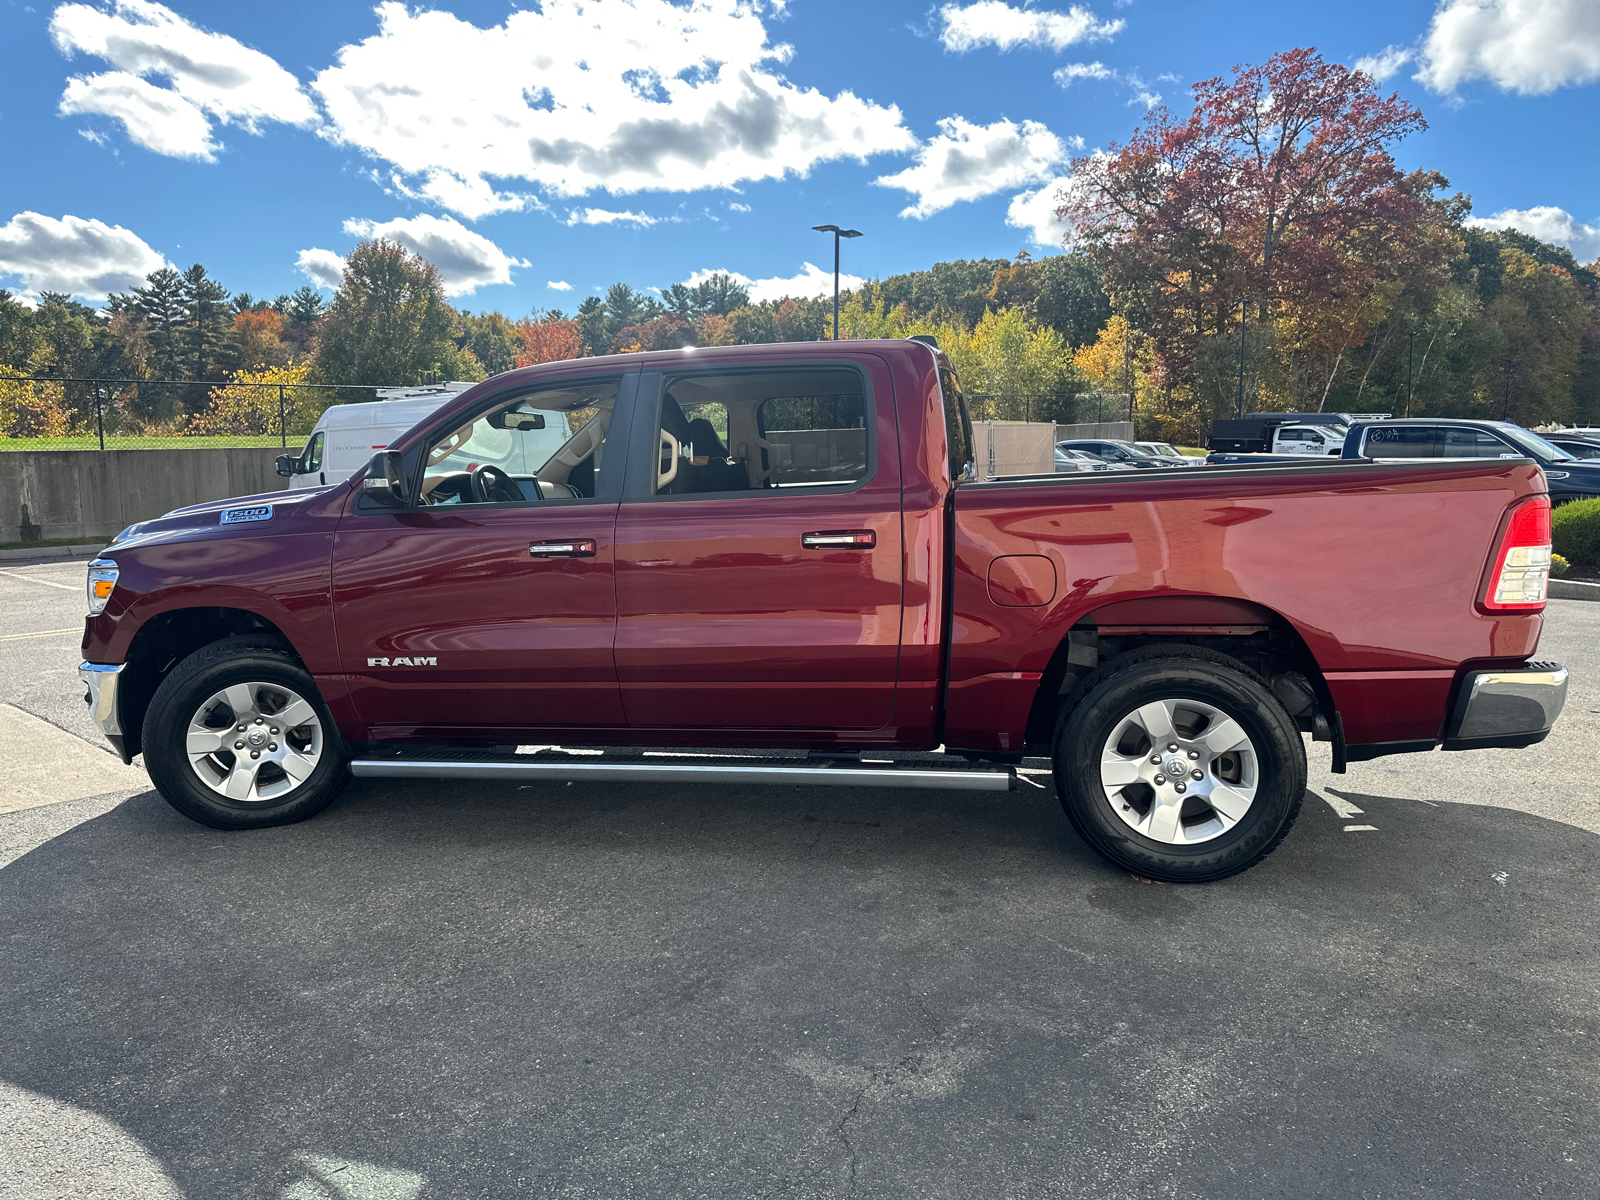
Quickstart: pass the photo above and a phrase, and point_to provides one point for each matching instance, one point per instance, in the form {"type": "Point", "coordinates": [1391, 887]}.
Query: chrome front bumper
{"type": "Point", "coordinates": [101, 681]}
{"type": "Point", "coordinates": [1507, 708]}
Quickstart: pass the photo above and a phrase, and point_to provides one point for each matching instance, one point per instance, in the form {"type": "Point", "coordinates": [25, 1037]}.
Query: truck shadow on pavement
{"type": "Point", "coordinates": [583, 991]}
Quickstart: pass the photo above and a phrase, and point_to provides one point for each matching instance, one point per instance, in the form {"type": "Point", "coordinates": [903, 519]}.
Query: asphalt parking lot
{"type": "Point", "coordinates": [582, 990]}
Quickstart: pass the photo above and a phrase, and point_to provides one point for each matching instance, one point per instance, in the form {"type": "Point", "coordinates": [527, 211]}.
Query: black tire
{"type": "Point", "coordinates": [184, 693]}
{"type": "Point", "coordinates": [1109, 704]}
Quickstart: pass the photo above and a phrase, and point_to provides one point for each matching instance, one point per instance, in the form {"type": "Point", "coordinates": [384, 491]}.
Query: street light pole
{"type": "Point", "coordinates": [1243, 316]}
{"type": "Point", "coordinates": [837, 234]}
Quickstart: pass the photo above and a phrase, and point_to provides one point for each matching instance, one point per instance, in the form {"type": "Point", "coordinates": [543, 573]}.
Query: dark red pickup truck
{"type": "Point", "coordinates": [784, 553]}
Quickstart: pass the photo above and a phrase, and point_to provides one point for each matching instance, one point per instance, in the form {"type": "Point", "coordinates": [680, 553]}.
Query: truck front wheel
{"type": "Point", "coordinates": [237, 737]}
{"type": "Point", "coordinates": [1180, 765]}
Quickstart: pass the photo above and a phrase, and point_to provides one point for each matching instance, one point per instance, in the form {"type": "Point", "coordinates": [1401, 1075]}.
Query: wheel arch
{"type": "Point", "coordinates": [165, 640]}
{"type": "Point", "coordinates": [1255, 635]}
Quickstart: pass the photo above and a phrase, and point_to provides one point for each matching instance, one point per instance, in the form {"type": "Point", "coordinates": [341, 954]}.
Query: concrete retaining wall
{"type": "Point", "coordinates": [92, 494]}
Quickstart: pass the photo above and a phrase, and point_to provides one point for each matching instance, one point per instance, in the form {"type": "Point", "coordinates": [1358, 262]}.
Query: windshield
{"type": "Point", "coordinates": [1534, 444]}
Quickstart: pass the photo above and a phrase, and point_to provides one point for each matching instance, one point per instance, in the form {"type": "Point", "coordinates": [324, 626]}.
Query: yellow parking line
{"type": "Point", "coordinates": [12, 637]}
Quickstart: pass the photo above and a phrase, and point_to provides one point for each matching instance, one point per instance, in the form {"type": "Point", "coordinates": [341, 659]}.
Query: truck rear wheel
{"type": "Point", "coordinates": [237, 737]}
{"type": "Point", "coordinates": [1179, 764]}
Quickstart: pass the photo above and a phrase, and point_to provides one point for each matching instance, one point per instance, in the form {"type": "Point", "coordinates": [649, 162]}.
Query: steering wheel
{"type": "Point", "coordinates": [491, 484]}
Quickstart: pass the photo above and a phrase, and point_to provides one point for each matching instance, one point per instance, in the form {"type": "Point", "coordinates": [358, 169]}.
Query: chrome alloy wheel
{"type": "Point", "coordinates": [254, 741]}
{"type": "Point", "coordinates": [1179, 771]}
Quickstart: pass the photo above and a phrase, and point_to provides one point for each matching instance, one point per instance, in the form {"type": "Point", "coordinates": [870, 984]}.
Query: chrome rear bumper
{"type": "Point", "coordinates": [1510, 708]}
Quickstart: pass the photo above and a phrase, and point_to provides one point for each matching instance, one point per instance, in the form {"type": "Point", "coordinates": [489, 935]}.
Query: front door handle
{"type": "Point", "coordinates": [573, 548]}
{"type": "Point", "coordinates": [840, 539]}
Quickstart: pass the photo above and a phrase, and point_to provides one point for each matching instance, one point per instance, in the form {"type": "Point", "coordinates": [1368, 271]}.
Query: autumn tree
{"type": "Point", "coordinates": [256, 338]}
{"type": "Point", "coordinates": [1279, 188]}
{"type": "Point", "coordinates": [666, 332]}
{"type": "Point", "coordinates": [546, 338]}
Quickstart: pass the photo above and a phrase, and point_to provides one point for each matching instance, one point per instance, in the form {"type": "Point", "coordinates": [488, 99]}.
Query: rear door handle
{"type": "Point", "coordinates": [574, 548]}
{"type": "Point", "coordinates": [840, 539]}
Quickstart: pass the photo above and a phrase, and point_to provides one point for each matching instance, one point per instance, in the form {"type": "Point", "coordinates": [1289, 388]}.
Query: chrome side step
{"type": "Point", "coordinates": [615, 772]}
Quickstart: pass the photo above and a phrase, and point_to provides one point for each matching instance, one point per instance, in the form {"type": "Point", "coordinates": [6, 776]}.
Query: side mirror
{"type": "Point", "coordinates": [289, 465]}
{"type": "Point", "coordinates": [385, 482]}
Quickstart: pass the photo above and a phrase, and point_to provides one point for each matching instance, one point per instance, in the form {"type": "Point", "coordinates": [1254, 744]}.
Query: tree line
{"type": "Point", "coordinates": [1272, 217]}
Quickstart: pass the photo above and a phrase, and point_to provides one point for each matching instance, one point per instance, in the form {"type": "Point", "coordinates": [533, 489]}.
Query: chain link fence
{"type": "Point", "coordinates": [49, 413]}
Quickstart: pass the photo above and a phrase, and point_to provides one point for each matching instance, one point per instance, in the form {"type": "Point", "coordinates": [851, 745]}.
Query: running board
{"type": "Point", "coordinates": [602, 772]}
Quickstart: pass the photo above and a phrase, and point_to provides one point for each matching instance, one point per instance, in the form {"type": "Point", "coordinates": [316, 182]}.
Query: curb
{"type": "Point", "coordinates": [52, 552]}
{"type": "Point", "coordinates": [1573, 589]}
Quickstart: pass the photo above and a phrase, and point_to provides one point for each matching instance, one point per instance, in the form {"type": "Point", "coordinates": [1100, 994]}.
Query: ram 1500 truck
{"type": "Point", "coordinates": [778, 563]}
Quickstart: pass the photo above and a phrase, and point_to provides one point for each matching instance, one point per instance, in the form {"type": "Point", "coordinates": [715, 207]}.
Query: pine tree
{"type": "Point", "coordinates": [160, 302]}
{"type": "Point", "coordinates": [206, 321]}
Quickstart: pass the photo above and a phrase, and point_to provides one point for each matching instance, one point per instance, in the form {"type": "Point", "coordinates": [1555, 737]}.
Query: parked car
{"type": "Point", "coordinates": [1422, 439]}
{"type": "Point", "coordinates": [786, 548]}
{"type": "Point", "coordinates": [1578, 447]}
{"type": "Point", "coordinates": [1069, 460]}
{"type": "Point", "coordinates": [1118, 453]}
{"type": "Point", "coordinates": [1168, 451]}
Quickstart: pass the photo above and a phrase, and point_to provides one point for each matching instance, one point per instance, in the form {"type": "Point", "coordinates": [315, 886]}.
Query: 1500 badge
{"type": "Point", "coordinates": [255, 512]}
{"type": "Point", "coordinates": [403, 662]}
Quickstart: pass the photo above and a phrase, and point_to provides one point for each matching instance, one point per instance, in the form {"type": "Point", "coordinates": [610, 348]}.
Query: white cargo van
{"type": "Point", "coordinates": [348, 435]}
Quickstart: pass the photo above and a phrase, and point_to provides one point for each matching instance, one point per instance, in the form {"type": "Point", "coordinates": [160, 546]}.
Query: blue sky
{"type": "Point", "coordinates": [580, 142]}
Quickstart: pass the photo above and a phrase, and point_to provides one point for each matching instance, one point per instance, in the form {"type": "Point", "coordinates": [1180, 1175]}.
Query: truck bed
{"type": "Point", "coordinates": [1362, 563]}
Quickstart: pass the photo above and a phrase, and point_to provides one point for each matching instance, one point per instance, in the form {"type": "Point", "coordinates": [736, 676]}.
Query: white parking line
{"type": "Point", "coordinates": [70, 587]}
{"type": "Point", "coordinates": [1361, 829]}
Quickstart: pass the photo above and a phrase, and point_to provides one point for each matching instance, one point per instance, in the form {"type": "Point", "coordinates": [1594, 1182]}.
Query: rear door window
{"type": "Point", "coordinates": [1475, 443]}
{"type": "Point", "coordinates": [1402, 441]}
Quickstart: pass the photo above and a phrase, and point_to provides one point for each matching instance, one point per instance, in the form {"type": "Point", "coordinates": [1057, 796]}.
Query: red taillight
{"type": "Point", "coordinates": [1521, 574]}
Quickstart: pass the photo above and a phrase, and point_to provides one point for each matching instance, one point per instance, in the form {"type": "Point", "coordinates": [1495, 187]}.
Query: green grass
{"type": "Point", "coordinates": [120, 442]}
{"type": "Point", "coordinates": [1192, 451]}
{"type": "Point", "coordinates": [52, 542]}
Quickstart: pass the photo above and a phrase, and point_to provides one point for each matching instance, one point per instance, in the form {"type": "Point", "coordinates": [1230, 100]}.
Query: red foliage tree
{"type": "Point", "coordinates": [1278, 188]}
{"type": "Point", "coordinates": [547, 339]}
{"type": "Point", "coordinates": [669, 332]}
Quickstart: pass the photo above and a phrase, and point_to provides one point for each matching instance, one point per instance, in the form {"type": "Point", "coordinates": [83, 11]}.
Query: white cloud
{"type": "Point", "coordinates": [811, 281]}
{"type": "Point", "coordinates": [1386, 62]}
{"type": "Point", "coordinates": [323, 267]}
{"type": "Point", "coordinates": [466, 260]}
{"type": "Point", "coordinates": [1035, 211]}
{"type": "Point", "coordinates": [559, 285]}
{"type": "Point", "coordinates": [993, 22]}
{"type": "Point", "coordinates": [578, 95]}
{"type": "Point", "coordinates": [210, 77]}
{"type": "Point", "coordinates": [1549, 224]}
{"type": "Point", "coordinates": [967, 161]}
{"type": "Point", "coordinates": [1527, 46]}
{"type": "Point", "coordinates": [1095, 70]}
{"type": "Point", "coordinates": [603, 216]}
{"type": "Point", "coordinates": [86, 258]}
{"type": "Point", "coordinates": [1143, 93]}
{"type": "Point", "coordinates": [735, 206]}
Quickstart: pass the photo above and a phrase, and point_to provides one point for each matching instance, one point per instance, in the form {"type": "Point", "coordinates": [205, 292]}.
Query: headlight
{"type": "Point", "coordinates": [102, 581]}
